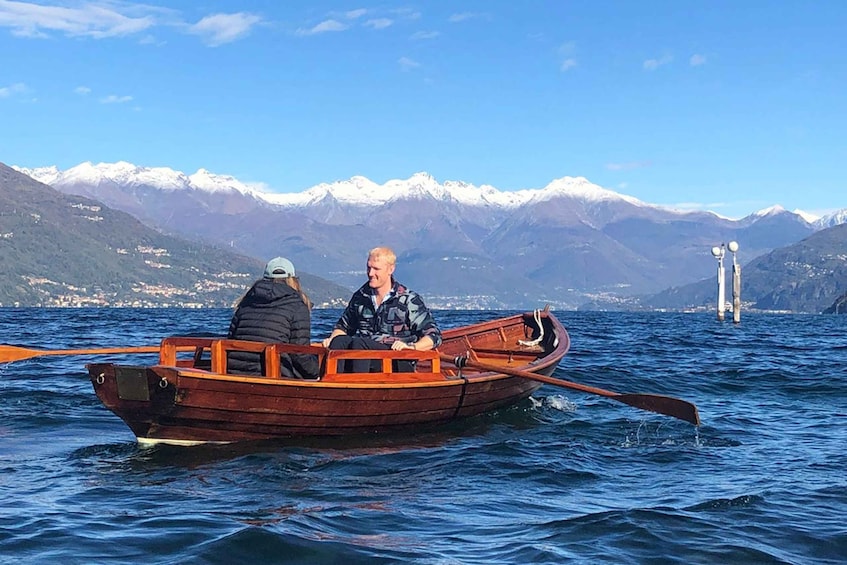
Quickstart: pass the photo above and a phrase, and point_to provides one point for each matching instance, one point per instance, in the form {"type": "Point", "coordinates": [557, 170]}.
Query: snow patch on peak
{"type": "Point", "coordinates": [422, 176]}
{"type": "Point", "coordinates": [582, 188]}
{"type": "Point", "coordinates": [361, 182]}
{"type": "Point", "coordinates": [361, 191]}
{"type": "Point", "coordinates": [807, 216]}
{"type": "Point", "coordinates": [44, 175]}
{"type": "Point", "coordinates": [211, 182]}
{"type": "Point", "coordinates": [770, 211]}
{"type": "Point", "coordinates": [123, 173]}
{"type": "Point", "coordinates": [832, 219]}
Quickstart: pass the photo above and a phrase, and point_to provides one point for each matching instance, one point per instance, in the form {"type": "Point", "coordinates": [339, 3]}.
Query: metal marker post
{"type": "Point", "coordinates": [718, 253]}
{"type": "Point", "coordinates": [736, 283]}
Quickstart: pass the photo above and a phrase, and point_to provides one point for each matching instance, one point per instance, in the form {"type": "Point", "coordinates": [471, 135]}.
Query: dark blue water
{"type": "Point", "coordinates": [565, 477]}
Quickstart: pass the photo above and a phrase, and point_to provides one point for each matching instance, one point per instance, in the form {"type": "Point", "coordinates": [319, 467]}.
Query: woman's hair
{"type": "Point", "coordinates": [294, 282]}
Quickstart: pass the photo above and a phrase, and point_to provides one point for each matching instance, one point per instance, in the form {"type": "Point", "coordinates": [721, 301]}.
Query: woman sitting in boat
{"type": "Point", "coordinates": [274, 309]}
{"type": "Point", "coordinates": [384, 314]}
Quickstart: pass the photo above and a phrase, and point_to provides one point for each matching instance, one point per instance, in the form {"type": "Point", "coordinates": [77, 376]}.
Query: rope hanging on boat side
{"type": "Point", "coordinates": [529, 343]}
{"type": "Point", "coordinates": [461, 361]}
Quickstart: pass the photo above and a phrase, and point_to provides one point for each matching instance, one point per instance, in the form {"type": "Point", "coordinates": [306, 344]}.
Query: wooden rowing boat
{"type": "Point", "coordinates": [189, 397]}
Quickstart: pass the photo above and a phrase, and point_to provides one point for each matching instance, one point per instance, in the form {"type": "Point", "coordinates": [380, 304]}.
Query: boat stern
{"type": "Point", "coordinates": [138, 395]}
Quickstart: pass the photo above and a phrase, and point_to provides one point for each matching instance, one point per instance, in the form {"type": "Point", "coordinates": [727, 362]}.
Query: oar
{"type": "Point", "coordinates": [10, 353]}
{"type": "Point", "coordinates": [666, 405]}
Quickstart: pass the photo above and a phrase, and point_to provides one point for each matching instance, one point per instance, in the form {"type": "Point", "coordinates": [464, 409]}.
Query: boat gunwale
{"type": "Point", "coordinates": [366, 380]}
{"type": "Point", "coordinates": [375, 380]}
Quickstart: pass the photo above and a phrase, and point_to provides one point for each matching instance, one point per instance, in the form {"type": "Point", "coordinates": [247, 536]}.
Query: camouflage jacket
{"type": "Point", "coordinates": [402, 316]}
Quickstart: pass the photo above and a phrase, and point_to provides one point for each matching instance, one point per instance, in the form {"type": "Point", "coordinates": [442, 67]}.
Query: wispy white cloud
{"type": "Point", "coordinates": [406, 13]}
{"type": "Point", "coordinates": [323, 27]}
{"type": "Point", "coordinates": [567, 53]}
{"type": "Point", "coordinates": [218, 29]}
{"type": "Point", "coordinates": [628, 166]}
{"type": "Point", "coordinates": [653, 64]}
{"type": "Point", "coordinates": [419, 35]}
{"type": "Point", "coordinates": [82, 90]}
{"type": "Point", "coordinates": [378, 23]}
{"type": "Point", "coordinates": [407, 64]}
{"type": "Point", "coordinates": [352, 19]}
{"type": "Point", "coordinates": [697, 60]}
{"type": "Point", "coordinates": [461, 17]}
{"type": "Point", "coordinates": [115, 99]}
{"type": "Point", "coordinates": [97, 19]}
{"type": "Point", "coordinates": [353, 14]}
{"type": "Point", "coordinates": [567, 65]}
{"type": "Point", "coordinates": [17, 88]}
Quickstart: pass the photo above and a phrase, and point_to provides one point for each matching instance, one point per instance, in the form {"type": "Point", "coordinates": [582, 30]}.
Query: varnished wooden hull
{"type": "Point", "coordinates": [174, 403]}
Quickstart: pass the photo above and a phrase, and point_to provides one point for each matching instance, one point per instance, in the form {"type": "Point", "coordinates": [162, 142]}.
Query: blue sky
{"type": "Point", "coordinates": [723, 105]}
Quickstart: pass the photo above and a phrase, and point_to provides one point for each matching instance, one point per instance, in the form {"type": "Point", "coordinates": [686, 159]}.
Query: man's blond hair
{"type": "Point", "coordinates": [383, 253]}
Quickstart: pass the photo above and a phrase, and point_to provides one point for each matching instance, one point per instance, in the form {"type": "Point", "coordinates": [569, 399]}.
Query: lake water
{"type": "Point", "coordinates": [565, 477]}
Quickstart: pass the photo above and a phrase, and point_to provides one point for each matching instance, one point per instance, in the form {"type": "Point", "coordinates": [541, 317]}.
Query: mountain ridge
{"type": "Point", "coordinates": [568, 244]}
{"type": "Point", "coordinates": [363, 191]}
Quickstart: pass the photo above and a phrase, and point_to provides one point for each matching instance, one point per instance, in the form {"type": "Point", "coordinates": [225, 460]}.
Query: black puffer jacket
{"type": "Point", "coordinates": [272, 311]}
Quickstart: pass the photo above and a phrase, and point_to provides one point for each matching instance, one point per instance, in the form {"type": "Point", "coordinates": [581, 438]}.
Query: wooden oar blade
{"type": "Point", "coordinates": [666, 405]}
{"type": "Point", "coordinates": [10, 353]}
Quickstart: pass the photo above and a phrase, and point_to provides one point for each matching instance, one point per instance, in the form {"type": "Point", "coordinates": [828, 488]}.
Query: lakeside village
{"type": "Point", "coordinates": [213, 290]}
{"type": "Point", "coordinates": [208, 294]}
{"type": "Point", "coordinates": [223, 290]}
{"type": "Point", "coordinates": [204, 294]}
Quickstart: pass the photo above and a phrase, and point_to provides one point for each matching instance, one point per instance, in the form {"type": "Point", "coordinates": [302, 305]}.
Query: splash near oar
{"type": "Point", "coordinates": [665, 405]}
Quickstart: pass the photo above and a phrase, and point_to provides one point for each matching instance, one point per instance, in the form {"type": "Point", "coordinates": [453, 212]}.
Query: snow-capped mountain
{"type": "Point", "coordinates": [561, 243]}
{"type": "Point", "coordinates": [356, 191]}
{"type": "Point", "coordinates": [361, 191]}
{"type": "Point", "coordinates": [834, 219]}
{"type": "Point", "coordinates": [129, 175]}
{"type": "Point", "coordinates": [811, 218]}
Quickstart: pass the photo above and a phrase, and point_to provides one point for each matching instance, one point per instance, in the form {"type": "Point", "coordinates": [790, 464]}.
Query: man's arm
{"type": "Point", "coordinates": [423, 344]}
{"type": "Point", "coordinates": [344, 323]}
{"type": "Point", "coordinates": [335, 332]}
{"type": "Point", "coordinates": [422, 324]}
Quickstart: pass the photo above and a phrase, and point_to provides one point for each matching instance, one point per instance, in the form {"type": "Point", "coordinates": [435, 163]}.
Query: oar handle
{"type": "Point", "coordinates": [100, 351]}
{"type": "Point", "coordinates": [11, 353]}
